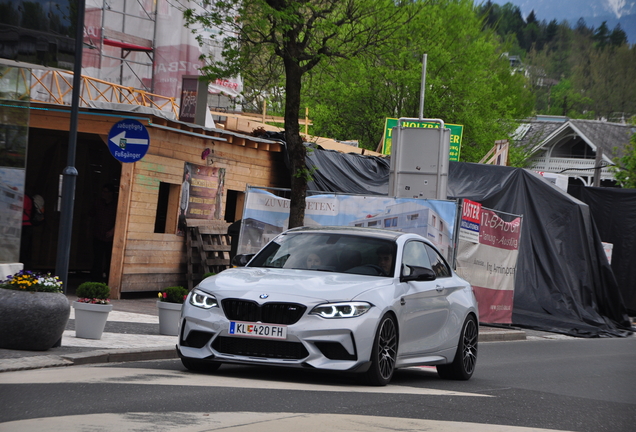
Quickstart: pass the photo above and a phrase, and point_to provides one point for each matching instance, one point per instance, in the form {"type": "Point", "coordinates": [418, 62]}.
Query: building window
{"type": "Point", "coordinates": [413, 217]}
{"type": "Point", "coordinates": [167, 213]}
{"type": "Point", "coordinates": [234, 205]}
{"type": "Point", "coordinates": [391, 222]}
{"type": "Point", "coordinates": [372, 223]}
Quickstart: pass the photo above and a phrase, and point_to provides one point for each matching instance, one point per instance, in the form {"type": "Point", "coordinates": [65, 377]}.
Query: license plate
{"type": "Point", "coordinates": [258, 330]}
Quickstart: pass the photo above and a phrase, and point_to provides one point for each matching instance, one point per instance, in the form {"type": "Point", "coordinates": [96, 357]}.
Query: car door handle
{"type": "Point", "coordinates": [439, 288]}
{"type": "Point", "coordinates": [402, 301]}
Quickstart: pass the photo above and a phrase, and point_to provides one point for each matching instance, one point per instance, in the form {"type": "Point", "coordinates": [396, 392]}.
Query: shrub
{"type": "Point", "coordinates": [93, 292]}
{"type": "Point", "coordinates": [175, 294]}
{"type": "Point", "coordinates": [208, 274]}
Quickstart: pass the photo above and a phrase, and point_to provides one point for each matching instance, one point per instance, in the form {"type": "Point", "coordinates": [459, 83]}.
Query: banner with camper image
{"type": "Point", "coordinates": [266, 215]}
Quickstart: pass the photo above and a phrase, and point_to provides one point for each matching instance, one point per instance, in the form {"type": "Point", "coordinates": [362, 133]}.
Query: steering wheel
{"type": "Point", "coordinates": [376, 268]}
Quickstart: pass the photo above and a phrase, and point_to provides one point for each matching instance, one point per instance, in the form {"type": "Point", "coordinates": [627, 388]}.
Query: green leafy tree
{"type": "Point", "coordinates": [618, 36]}
{"type": "Point", "coordinates": [505, 20]}
{"type": "Point", "coordinates": [625, 169]}
{"type": "Point", "coordinates": [300, 35]}
{"type": "Point", "coordinates": [9, 13]}
{"type": "Point", "coordinates": [567, 101]}
{"type": "Point", "coordinates": [468, 82]}
{"type": "Point", "coordinates": [33, 16]}
{"type": "Point", "coordinates": [552, 31]}
{"type": "Point", "coordinates": [602, 36]}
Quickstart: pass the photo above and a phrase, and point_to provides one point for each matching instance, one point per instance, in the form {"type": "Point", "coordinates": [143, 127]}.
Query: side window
{"type": "Point", "coordinates": [437, 263]}
{"type": "Point", "coordinates": [415, 254]}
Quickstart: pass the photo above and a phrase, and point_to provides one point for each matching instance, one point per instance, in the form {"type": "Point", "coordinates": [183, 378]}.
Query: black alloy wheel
{"type": "Point", "coordinates": [384, 353]}
{"type": "Point", "coordinates": [463, 366]}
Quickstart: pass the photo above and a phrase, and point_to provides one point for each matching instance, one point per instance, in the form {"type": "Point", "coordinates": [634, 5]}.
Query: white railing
{"type": "Point", "coordinates": [569, 166]}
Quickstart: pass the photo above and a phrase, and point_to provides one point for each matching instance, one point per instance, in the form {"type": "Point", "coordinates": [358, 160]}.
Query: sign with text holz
{"type": "Point", "coordinates": [487, 254]}
{"type": "Point", "coordinates": [455, 135]}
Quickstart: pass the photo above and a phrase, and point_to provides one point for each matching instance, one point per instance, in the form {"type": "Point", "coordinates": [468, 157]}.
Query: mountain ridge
{"type": "Point", "coordinates": [593, 12]}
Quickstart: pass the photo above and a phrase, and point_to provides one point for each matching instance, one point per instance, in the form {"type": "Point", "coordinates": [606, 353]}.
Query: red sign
{"type": "Point", "coordinates": [471, 211]}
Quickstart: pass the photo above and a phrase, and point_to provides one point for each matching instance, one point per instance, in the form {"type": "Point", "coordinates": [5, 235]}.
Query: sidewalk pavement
{"type": "Point", "coordinates": [132, 334]}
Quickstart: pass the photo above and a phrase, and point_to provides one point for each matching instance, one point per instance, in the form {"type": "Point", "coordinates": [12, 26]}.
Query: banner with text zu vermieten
{"type": "Point", "coordinates": [487, 253]}
{"type": "Point", "coordinates": [266, 215]}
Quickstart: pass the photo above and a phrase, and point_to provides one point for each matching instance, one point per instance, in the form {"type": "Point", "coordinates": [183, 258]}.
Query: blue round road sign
{"type": "Point", "coordinates": [128, 140]}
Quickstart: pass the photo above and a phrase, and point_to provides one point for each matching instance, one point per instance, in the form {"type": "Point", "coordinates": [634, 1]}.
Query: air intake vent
{"type": "Point", "coordinates": [260, 348]}
{"type": "Point", "coordinates": [270, 313]}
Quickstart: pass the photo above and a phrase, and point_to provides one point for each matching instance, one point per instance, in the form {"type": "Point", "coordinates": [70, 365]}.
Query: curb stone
{"type": "Point", "coordinates": [90, 357]}
{"type": "Point", "coordinates": [103, 356]}
{"type": "Point", "coordinates": [502, 335]}
{"type": "Point", "coordinates": [36, 362]}
{"type": "Point", "coordinates": [121, 355]}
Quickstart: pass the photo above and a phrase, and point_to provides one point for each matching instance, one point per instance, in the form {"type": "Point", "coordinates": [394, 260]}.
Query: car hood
{"type": "Point", "coordinates": [289, 285]}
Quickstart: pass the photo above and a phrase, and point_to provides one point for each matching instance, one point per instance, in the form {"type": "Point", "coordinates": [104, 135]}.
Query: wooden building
{"type": "Point", "coordinates": [148, 254]}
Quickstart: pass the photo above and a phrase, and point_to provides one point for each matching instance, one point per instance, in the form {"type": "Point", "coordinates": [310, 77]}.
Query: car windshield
{"type": "Point", "coordinates": [330, 252]}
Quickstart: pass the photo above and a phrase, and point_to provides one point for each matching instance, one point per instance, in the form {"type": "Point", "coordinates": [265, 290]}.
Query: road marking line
{"type": "Point", "coordinates": [88, 374]}
{"type": "Point", "coordinates": [249, 421]}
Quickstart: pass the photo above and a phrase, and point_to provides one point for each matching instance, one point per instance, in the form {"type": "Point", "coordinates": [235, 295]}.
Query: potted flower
{"type": "Point", "coordinates": [169, 306]}
{"type": "Point", "coordinates": [91, 309]}
{"type": "Point", "coordinates": [33, 311]}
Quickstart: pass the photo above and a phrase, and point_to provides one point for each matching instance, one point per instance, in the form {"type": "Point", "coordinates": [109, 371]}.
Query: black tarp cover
{"type": "Point", "coordinates": [614, 212]}
{"type": "Point", "coordinates": [333, 172]}
{"type": "Point", "coordinates": [564, 283]}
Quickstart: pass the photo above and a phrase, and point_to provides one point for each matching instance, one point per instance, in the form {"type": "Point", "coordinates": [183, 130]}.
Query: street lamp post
{"type": "Point", "coordinates": [69, 173]}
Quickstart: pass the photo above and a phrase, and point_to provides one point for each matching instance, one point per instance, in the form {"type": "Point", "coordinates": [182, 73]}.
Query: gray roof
{"type": "Point", "coordinates": [611, 137]}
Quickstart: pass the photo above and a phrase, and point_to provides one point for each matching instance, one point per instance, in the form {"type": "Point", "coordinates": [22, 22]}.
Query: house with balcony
{"type": "Point", "coordinates": [575, 148]}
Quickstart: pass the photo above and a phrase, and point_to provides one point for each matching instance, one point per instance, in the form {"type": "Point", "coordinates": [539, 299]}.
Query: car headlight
{"type": "Point", "coordinates": [341, 310]}
{"type": "Point", "coordinates": [203, 300]}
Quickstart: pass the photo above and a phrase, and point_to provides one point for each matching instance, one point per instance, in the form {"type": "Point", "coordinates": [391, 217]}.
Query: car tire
{"type": "Point", "coordinates": [463, 365]}
{"type": "Point", "coordinates": [196, 365]}
{"type": "Point", "coordinates": [383, 354]}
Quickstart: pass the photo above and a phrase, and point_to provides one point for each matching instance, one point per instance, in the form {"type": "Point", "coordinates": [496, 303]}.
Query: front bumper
{"type": "Point", "coordinates": [330, 344]}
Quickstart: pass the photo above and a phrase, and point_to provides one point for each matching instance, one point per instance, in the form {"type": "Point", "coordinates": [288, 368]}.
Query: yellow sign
{"type": "Point", "coordinates": [456, 132]}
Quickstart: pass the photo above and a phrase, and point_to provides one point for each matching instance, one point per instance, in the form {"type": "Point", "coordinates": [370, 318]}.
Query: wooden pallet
{"type": "Point", "coordinates": [208, 250]}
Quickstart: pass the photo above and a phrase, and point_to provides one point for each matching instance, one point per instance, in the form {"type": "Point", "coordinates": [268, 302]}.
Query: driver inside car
{"type": "Point", "coordinates": [385, 259]}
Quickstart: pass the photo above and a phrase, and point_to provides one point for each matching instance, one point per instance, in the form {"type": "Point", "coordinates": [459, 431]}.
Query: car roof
{"type": "Point", "coordinates": [369, 232]}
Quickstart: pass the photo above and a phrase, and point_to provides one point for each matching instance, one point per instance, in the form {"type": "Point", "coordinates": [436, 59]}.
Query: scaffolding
{"type": "Point", "coordinates": [56, 86]}
{"type": "Point", "coordinates": [119, 42]}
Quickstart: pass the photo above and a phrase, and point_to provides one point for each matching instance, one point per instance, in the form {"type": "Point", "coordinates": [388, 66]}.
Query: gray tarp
{"type": "Point", "coordinates": [564, 283]}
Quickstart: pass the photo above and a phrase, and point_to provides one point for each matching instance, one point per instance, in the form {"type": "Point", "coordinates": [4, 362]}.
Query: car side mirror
{"type": "Point", "coordinates": [419, 274]}
{"type": "Point", "coordinates": [241, 260]}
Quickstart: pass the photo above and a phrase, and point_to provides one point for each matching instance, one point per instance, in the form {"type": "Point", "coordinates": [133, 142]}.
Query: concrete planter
{"type": "Point", "coordinates": [169, 316]}
{"type": "Point", "coordinates": [90, 319]}
{"type": "Point", "coordinates": [32, 321]}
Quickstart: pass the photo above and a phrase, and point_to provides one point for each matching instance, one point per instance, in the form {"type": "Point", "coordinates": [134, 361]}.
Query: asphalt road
{"type": "Point", "coordinates": [564, 384]}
